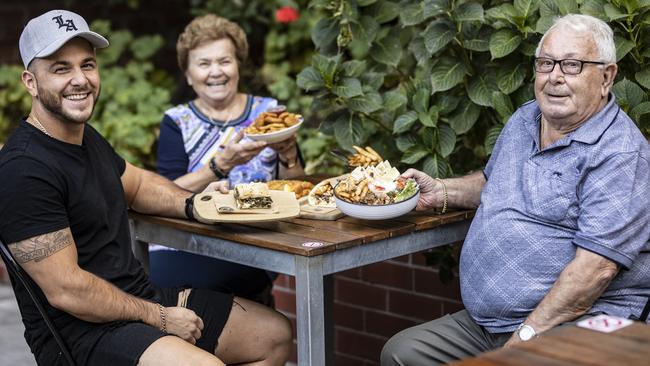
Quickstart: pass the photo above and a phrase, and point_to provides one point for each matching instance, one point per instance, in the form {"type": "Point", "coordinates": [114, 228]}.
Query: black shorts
{"type": "Point", "coordinates": [124, 342]}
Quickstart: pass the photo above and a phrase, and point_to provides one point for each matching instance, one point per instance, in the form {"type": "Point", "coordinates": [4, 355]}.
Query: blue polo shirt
{"type": "Point", "coordinates": [589, 189]}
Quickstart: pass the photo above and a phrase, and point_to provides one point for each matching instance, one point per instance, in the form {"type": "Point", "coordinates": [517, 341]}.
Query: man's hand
{"type": "Point", "coordinates": [236, 153]}
{"type": "Point", "coordinates": [218, 186]}
{"type": "Point", "coordinates": [184, 323]}
{"type": "Point", "coordinates": [431, 193]}
{"type": "Point", "coordinates": [514, 339]}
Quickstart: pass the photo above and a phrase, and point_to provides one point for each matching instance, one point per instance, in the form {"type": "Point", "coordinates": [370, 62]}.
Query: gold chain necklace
{"type": "Point", "coordinates": [38, 125]}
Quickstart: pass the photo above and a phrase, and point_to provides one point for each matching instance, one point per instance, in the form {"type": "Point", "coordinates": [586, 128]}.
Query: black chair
{"type": "Point", "coordinates": [18, 274]}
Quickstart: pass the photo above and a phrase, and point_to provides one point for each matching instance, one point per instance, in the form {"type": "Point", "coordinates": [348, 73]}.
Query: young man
{"type": "Point", "coordinates": [63, 214]}
{"type": "Point", "coordinates": [563, 224]}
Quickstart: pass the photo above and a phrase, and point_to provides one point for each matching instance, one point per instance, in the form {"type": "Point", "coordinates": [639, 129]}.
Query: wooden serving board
{"type": "Point", "coordinates": [318, 213]}
{"type": "Point", "coordinates": [285, 205]}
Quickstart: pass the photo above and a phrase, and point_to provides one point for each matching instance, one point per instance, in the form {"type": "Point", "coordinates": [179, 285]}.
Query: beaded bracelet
{"type": "Point", "coordinates": [163, 318]}
{"type": "Point", "coordinates": [445, 196]}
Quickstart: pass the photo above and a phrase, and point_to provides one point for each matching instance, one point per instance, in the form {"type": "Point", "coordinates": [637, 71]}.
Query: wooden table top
{"type": "Point", "coordinates": [574, 346]}
{"type": "Point", "coordinates": [289, 235]}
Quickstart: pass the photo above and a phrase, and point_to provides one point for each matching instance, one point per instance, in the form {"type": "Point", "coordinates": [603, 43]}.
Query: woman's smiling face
{"type": "Point", "coordinates": [213, 71]}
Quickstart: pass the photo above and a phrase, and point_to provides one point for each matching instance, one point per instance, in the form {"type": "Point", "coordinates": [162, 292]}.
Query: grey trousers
{"type": "Point", "coordinates": [440, 341]}
{"type": "Point", "coordinates": [447, 339]}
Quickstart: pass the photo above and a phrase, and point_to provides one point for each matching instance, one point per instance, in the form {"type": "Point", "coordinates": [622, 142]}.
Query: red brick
{"type": "Point", "coordinates": [449, 307]}
{"type": "Point", "coordinates": [359, 293]}
{"type": "Point", "coordinates": [293, 357]}
{"type": "Point", "coordinates": [285, 301]}
{"type": "Point", "coordinates": [388, 274]}
{"type": "Point", "coordinates": [419, 259]}
{"type": "Point", "coordinates": [412, 305]}
{"type": "Point", "coordinates": [358, 344]}
{"type": "Point", "coordinates": [404, 259]}
{"type": "Point", "coordinates": [291, 282]}
{"type": "Point", "coordinates": [348, 316]}
{"type": "Point", "coordinates": [281, 281]}
{"type": "Point", "coordinates": [354, 273]}
{"type": "Point", "coordinates": [386, 325]}
{"type": "Point", "coordinates": [428, 281]}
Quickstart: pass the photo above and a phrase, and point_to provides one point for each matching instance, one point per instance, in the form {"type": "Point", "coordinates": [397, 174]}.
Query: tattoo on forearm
{"type": "Point", "coordinates": [40, 247]}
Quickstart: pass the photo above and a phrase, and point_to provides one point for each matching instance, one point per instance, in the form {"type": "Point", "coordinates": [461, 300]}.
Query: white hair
{"type": "Point", "coordinates": [602, 33]}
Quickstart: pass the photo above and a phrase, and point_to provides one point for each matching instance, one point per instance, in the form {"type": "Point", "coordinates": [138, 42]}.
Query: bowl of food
{"type": "Point", "coordinates": [376, 193]}
{"type": "Point", "coordinates": [274, 125]}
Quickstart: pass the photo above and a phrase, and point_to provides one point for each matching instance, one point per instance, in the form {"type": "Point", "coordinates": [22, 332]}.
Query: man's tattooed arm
{"type": "Point", "coordinates": [40, 247]}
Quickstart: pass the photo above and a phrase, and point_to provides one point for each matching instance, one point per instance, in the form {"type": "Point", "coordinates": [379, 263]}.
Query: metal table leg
{"type": "Point", "coordinates": [310, 313]}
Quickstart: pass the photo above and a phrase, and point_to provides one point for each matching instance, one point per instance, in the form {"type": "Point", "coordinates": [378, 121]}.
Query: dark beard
{"type": "Point", "coordinates": [53, 105]}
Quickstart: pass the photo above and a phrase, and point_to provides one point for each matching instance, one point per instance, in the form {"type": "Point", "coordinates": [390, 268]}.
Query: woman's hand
{"type": "Point", "coordinates": [431, 193]}
{"type": "Point", "coordinates": [287, 149]}
{"type": "Point", "coordinates": [235, 153]}
{"type": "Point", "coordinates": [221, 186]}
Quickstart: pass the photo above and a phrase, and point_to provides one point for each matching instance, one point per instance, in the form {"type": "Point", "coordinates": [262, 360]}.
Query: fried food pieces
{"type": "Point", "coordinates": [275, 119]}
{"type": "Point", "coordinates": [322, 194]}
{"type": "Point", "coordinates": [364, 157]}
{"type": "Point", "coordinates": [299, 187]}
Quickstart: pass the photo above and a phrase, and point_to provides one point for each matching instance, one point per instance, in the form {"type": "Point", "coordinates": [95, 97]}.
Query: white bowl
{"type": "Point", "coordinates": [377, 212]}
{"type": "Point", "coordinates": [276, 136]}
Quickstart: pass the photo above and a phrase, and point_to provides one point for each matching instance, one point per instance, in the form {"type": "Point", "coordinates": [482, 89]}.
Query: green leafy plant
{"type": "Point", "coordinates": [133, 96]}
{"type": "Point", "coordinates": [430, 83]}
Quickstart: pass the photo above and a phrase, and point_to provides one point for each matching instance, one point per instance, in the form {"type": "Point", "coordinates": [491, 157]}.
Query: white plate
{"type": "Point", "coordinates": [377, 212]}
{"type": "Point", "coordinates": [277, 136]}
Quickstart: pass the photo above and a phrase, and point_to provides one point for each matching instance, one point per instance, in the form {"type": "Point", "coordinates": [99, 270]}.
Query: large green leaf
{"type": "Point", "coordinates": [463, 118]}
{"type": "Point", "coordinates": [437, 35]}
{"type": "Point", "coordinates": [405, 142]}
{"type": "Point", "coordinates": [353, 68]}
{"type": "Point", "coordinates": [510, 77]}
{"type": "Point", "coordinates": [327, 67]}
{"type": "Point", "coordinates": [365, 2]}
{"type": "Point", "coordinates": [414, 154]}
{"type": "Point", "coordinates": [480, 90]}
{"type": "Point", "coordinates": [411, 14]}
{"type": "Point", "coordinates": [643, 78]}
{"type": "Point", "coordinates": [394, 99]}
{"type": "Point", "coordinates": [502, 103]}
{"type": "Point", "coordinates": [639, 110]}
{"type": "Point", "coordinates": [628, 93]}
{"type": "Point", "coordinates": [445, 77]}
{"type": "Point", "coordinates": [544, 23]}
{"type": "Point", "coordinates": [365, 30]}
{"type": "Point", "coordinates": [325, 32]}
{"type": "Point", "coordinates": [419, 50]}
{"type": "Point", "coordinates": [385, 11]}
{"type": "Point", "coordinates": [446, 139]}
{"type": "Point", "coordinates": [469, 12]}
{"type": "Point", "coordinates": [433, 8]}
{"type": "Point", "coordinates": [404, 122]}
{"type": "Point", "coordinates": [348, 88]}
{"type": "Point", "coordinates": [429, 118]}
{"type": "Point", "coordinates": [595, 8]}
{"type": "Point", "coordinates": [447, 102]}
{"type": "Point", "coordinates": [504, 12]}
{"type": "Point", "coordinates": [623, 47]}
{"type": "Point", "coordinates": [367, 103]}
{"type": "Point", "coordinates": [372, 80]}
{"type": "Point", "coordinates": [526, 8]}
{"type": "Point", "coordinates": [479, 45]}
{"type": "Point", "coordinates": [309, 79]}
{"type": "Point", "coordinates": [491, 137]}
{"type": "Point", "coordinates": [433, 167]}
{"type": "Point", "coordinates": [420, 100]}
{"type": "Point", "coordinates": [567, 6]}
{"type": "Point", "coordinates": [503, 43]}
{"type": "Point", "coordinates": [613, 13]}
{"type": "Point", "coordinates": [387, 50]}
{"type": "Point", "coordinates": [349, 130]}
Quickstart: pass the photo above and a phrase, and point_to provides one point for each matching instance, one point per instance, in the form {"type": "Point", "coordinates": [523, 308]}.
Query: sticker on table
{"type": "Point", "coordinates": [313, 244]}
{"type": "Point", "coordinates": [604, 323]}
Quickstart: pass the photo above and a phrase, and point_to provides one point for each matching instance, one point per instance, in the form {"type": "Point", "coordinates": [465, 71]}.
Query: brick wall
{"type": "Point", "coordinates": [374, 302]}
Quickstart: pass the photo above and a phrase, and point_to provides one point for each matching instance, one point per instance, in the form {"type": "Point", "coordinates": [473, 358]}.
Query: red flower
{"type": "Point", "coordinates": [286, 14]}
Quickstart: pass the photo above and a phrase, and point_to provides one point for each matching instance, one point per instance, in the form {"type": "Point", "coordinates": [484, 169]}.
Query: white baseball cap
{"type": "Point", "coordinates": [45, 34]}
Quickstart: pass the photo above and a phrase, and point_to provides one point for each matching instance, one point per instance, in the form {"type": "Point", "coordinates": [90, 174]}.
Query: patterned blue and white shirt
{"type": "Point", "coordinates": [189, 139]}
{"type": "Point", "coordinates": [589, 189]}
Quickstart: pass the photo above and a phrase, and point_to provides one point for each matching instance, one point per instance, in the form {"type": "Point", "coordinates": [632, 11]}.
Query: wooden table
{"type": "Point", "coordinates": [573, 346]}
{"type": "Point", "coordinates": [310, 250]}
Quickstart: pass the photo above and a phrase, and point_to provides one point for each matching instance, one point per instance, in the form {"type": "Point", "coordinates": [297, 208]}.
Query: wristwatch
{"type": "Point", "coordinates": [525, 332]}
{"type": "Point", "coordinates": [218, 172]}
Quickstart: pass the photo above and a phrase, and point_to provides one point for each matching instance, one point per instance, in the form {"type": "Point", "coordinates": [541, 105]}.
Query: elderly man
{"type": "Point", "coordinates": [63, 213]}
{"type": "Point", "coordinates": [562, 228]}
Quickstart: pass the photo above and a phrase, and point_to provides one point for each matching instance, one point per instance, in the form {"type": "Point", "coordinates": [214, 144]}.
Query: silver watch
{"type": "Point", "coordinates": [525, 332]}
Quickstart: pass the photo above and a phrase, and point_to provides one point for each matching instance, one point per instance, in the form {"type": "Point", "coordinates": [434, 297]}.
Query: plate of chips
{"type": "Point", "coordinates": [274, 125]}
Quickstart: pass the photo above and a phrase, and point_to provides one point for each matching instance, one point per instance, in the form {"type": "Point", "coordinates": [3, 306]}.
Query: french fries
{"type": "Point", "coordinates": [273, 120]}
{"type": "Point", "coordinates": [364, 157]}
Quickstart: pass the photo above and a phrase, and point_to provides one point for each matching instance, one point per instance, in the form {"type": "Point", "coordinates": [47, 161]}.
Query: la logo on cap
{"type": "Point", "coordinates": [68, 24]}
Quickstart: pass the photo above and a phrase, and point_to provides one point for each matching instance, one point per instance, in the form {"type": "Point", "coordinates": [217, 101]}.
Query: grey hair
{"type": "Point", "coordinates": [601, 31]}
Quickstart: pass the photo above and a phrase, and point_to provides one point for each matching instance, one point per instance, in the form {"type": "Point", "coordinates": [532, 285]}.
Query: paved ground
{"type": "Point", "coordinates": [13, 348]}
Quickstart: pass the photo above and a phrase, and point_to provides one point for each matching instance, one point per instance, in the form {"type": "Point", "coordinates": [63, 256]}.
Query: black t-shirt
{"type": "Point", "coordinates": [47, 185]}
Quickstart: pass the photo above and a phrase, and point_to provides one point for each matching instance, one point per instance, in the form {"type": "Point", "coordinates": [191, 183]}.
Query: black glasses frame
{"type": "Point", "coordinates": [581, 62]}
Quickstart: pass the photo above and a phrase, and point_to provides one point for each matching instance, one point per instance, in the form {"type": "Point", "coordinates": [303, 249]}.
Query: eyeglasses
{"type": "Point", "coordinates": [568, 66]}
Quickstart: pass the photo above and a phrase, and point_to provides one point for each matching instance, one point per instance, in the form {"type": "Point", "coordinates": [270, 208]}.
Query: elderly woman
{"type": "Point", "coordinates": [203, 140]}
